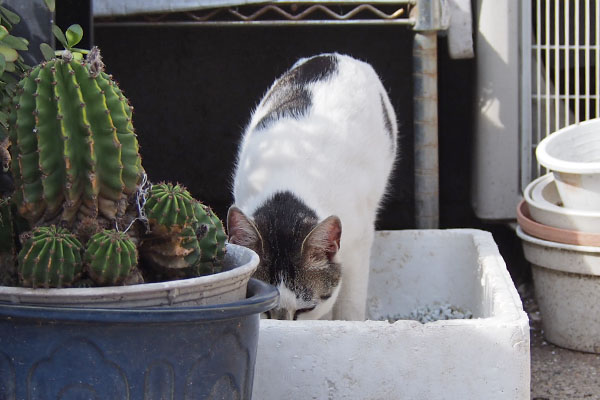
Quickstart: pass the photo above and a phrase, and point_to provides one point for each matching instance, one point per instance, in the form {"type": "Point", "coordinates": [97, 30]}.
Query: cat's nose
{"type": "Point", "coordinates": [281, 313]}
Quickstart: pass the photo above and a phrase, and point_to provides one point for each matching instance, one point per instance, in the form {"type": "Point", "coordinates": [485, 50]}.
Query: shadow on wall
{"type": "Point", "coordinates": [194, 88]}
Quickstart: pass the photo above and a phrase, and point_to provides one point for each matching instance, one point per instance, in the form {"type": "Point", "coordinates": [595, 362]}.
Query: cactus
{"type": "Point", "coordinates": [110, 257]}
{"type": "Point", "coordinates": [74, 151]}
{"type": "Point", "coordinates": [187, 238]}
{"type": "Point", "coordinates": [50, 257]}
{"type": "Point", "coordinates": [211, 239]}
{"type": "Point", "coordinates": [169, 208]}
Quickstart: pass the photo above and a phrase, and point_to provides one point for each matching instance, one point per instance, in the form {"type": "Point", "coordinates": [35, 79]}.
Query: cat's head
{"type": "Point", "coordinates": [298, 256]}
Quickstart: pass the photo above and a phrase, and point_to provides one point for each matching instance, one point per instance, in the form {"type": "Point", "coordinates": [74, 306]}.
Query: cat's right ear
{"type": "Point", "coordinates": [242, 230]}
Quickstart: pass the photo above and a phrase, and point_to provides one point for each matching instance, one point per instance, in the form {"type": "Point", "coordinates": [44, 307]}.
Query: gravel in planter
{"type": "Point", "coordinates": [434, 312]}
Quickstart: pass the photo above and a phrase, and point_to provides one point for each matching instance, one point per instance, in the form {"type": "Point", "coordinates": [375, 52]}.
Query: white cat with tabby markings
{"type": "Point", "coordinates": [312, 168]}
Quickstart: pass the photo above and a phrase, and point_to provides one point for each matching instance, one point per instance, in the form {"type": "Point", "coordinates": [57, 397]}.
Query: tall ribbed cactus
{"type": "Point", "coordinates": [74, 151]}
{"type": "Point", "coordinates": [50, 257]}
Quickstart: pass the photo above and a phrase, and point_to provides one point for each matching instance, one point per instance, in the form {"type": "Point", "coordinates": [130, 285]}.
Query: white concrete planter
{"type": "Point", "coordinates": [482, 358]}
{"type": "Point", "coordinates": [573, 156]}
{"type": "Point", "coordinates": [567, 287]}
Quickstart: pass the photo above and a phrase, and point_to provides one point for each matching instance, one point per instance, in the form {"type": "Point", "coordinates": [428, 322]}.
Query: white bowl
{"type": "Point", "coordinates": [573, 156]}
{"type": "Point", "coordinates": [545, 207]}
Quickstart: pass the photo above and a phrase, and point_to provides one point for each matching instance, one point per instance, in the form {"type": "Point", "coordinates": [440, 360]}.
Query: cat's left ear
{"type": "Point", "coordinates": [242, 230]}
{"type": "Point", "coordinates": [324, 239]}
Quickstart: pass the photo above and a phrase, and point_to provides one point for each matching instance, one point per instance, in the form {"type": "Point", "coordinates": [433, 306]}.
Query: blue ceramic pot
{"type": "Point", "coordinates": [201, 352]}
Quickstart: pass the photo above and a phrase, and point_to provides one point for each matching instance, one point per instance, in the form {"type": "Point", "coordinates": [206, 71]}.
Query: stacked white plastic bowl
{"type": "Point", "coordinates": [559, 223]}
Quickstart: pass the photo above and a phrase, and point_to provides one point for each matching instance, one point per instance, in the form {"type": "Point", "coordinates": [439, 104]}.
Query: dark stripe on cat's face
{"type": "Point", "coordinates": [386, 118]}
{"type": "Point", "coordinates": [284, 222]}
{"type": "Point", "coordinates": [290, 97]}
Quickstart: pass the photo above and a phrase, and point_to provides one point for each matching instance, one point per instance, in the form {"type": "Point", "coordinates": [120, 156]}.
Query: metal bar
{"type": "Point", "coordinates": [174, 24]}
{"type": "Point", "coordinates": [538, 35]}
{"type": "Point", "coordinates": [425, 76]}
{"type": "Point", "coordinates": [597, 49]}
{"type": "Point", "coordinates": [547, 104]}
{"type": "Point", "coordinates": [587, 58]}
{"type": "Point", "coordinates": [526, 96]}
{"type": "Point", "coordinates": [576, 33]}
{"type": "Point", "coordinates": [567, 60]}
{"type": "Point", "coordinates": [556, 65]}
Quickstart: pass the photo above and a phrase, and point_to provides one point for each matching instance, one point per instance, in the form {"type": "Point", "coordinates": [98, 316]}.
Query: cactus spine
{"type": "Point", "coordinates": [74, 151]}
{"type": "Point", "coordinates": [51, 257]}
{"type": "Point", "coordinates": [110, 257]}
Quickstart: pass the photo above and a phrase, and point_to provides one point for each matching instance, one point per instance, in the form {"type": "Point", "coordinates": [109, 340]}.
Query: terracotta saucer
{"type": "Point", "coordinates": [553, 234]}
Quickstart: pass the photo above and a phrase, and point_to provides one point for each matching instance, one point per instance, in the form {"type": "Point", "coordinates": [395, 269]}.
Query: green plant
{"type": "Point", "coordinates": [50, 257]}
{"type": "Point", "coordinates": [12, 64]}
{"type": "Point", "coordinates": [211, 239]}
{"type": "Point", "coordinates": [169, 208]}
{"type": "Point", "coordinates": [75, 161]}
{"type": "Point", "coordinates": [74, 150]}
{"type": "Point", "coordinates": [110, 257]}
{"type": "Point", "coordinates": [186, 238]}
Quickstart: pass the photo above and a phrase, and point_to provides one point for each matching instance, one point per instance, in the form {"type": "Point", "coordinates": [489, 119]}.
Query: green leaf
{"type": "Point", "coordinates": [60, 36]}
{"type": "Point", "coordinates": [51, 4]}
{"type": "Point", "coordinates": [8, 53]}
{"type": "Point", "coordinates": [74, 34]}
{"type": "Point", "coordinates": [14, 42]}
{"type": "Point", "coordinates": [10, 16]}
{"type": "Point", "coordinates": [10, 67]}
{"type": "Point", "coordinates": [2, 64]}
{"type": "Point", "coordinates": [78, 56]}
{"type": "Point", "coordinates": [47, 51]}
{"type": "Point", "coordinates": [3, 32]}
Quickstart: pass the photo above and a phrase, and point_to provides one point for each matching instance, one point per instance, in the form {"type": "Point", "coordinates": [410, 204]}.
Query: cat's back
{"type": "Point", "coordinates": [327, 121]}
{"type": "Point", "coordinates": [325, 88]}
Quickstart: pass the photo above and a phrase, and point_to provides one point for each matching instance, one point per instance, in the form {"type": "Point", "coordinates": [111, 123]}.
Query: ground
{"type": "Point", "coordinates": [558, 373]}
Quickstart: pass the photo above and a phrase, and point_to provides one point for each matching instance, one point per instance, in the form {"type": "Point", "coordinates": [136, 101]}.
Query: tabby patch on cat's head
{"type": "Point", "coordinates": [297, 253]}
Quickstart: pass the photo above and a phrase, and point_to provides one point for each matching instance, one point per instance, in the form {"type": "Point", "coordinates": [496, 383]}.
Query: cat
{"type": "Point", "coordinates": [312, 168]}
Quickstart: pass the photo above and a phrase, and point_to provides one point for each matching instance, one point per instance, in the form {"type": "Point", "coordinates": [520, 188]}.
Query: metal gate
{"type": "Point", "coordinates": [560, 85]}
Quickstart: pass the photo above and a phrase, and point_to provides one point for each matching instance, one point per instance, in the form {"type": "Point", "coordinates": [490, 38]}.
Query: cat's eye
{"type": "Point", "coordinates": [302, 311]}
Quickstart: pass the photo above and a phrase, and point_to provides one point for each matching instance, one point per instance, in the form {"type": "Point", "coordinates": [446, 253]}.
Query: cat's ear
{"type": "Point", "coordinates": [324, 239]}
{"type": "Point", "coordinates": [242, 230]}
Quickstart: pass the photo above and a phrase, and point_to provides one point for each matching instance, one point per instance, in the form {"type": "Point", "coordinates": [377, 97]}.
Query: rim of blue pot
{"type": "Point", "coordinates": [261, 297]}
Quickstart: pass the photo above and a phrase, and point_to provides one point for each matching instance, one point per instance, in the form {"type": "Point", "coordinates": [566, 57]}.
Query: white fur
{"type": "Point", "coordinates": [337, 160]}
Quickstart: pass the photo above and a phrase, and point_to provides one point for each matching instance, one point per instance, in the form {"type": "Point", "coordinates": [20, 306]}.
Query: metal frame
{"type": "Point", "coordinates": [278, 14]}
{"type": "Point", "coordinates": [548, 102]}
{"type": "Point", "coordinates": [426, 17]}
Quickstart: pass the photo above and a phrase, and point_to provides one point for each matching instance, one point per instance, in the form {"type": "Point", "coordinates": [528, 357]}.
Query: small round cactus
{"type": "Point", "coordinates": [110, 257]}
{"type": "Point", "coordinates": [211, 239]}
{"type": "Point", "coordinates": [185, 235]}
{"type": "Point", "coordinates": [169, 207]}
{"type": "Point", "coordinates": [50, 257]}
